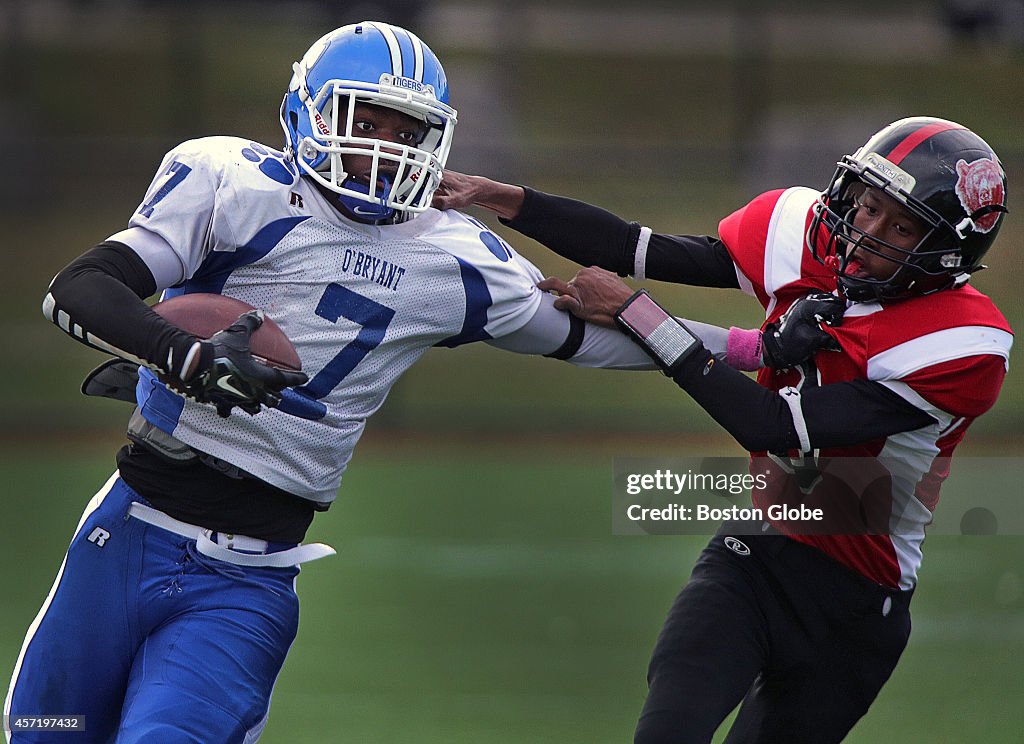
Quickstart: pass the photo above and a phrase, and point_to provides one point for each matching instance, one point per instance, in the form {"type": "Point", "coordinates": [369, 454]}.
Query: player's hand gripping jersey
{"type": "Point", "coordinates": [945, 353]}
{"type": "Point", "coordinates": [361, 303]}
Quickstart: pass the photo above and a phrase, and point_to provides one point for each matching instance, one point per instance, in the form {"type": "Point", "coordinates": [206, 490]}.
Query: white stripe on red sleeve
{"type": "Point", "coordinates": [935, 348]}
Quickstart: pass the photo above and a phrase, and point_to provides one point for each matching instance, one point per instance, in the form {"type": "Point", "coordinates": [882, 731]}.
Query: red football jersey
{"type": "Point", "coordinates": [946, 353]}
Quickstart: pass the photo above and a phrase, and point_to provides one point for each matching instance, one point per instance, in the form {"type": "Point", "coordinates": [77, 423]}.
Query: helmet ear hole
{"type": "Point", "coordinates": [855, 189]}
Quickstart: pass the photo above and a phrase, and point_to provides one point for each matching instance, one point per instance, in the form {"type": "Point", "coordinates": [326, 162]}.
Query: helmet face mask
{"type": "Point", "coordinates": [921, 268]}
{"type": "Point", "coordinates": [946, 177]}
{"type": "Point", "coordinates": [369, 63]}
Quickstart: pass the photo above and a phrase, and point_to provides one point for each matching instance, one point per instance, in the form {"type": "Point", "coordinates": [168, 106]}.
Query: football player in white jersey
{"type": "Point", "coordinates": [798, 622]}
{"type": "Point", "coordinates": [175, 606]}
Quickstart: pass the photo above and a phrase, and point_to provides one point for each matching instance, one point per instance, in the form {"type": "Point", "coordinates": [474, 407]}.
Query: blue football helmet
{"type": "Point", "coordinates": [374, 63]}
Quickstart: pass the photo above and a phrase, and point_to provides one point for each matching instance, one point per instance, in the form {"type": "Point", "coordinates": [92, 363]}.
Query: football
{"type": "Point", "coordinates": [204, 314]}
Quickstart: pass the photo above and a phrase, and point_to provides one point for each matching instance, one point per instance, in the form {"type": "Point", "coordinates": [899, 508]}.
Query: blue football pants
{"type": "Point", "coordinates": [150, 640]}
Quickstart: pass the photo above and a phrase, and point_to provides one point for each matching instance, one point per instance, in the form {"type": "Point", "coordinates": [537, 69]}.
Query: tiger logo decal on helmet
{"type": "Point", "coordinates": [980, 184]}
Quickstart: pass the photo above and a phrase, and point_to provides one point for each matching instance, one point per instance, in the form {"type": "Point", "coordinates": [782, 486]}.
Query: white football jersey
{"type": "Point", "coordinates": [361, 303]}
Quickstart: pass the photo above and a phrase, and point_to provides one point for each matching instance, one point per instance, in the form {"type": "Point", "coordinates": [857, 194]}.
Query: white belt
{"type": "Point", "coordinates": [209, 543]}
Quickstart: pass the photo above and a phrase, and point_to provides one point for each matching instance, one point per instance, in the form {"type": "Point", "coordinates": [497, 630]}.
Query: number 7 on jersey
{"type": "Point", "coordinates": [339, 302]}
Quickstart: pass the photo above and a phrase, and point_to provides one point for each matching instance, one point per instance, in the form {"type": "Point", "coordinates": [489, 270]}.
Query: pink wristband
{"type": "Point", "coordinates": [743, 349]}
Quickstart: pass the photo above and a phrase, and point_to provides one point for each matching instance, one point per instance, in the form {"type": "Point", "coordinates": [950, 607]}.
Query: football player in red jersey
{"type": "Point", "coordinates": [801, 626]}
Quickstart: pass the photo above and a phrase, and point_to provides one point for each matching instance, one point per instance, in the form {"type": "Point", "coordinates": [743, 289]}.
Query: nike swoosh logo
{"type": "Point", "coordinates": [368, 212]}
{"type": "Point", "coordinates": [224, 384]}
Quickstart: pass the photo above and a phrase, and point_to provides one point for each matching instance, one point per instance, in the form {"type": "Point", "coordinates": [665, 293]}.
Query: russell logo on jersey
{"type": "Point", "coordinates": [98, 537]}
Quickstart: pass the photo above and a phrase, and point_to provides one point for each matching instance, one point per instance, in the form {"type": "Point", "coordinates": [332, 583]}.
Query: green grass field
{"type": "Point", "coordinates": [478, 595]}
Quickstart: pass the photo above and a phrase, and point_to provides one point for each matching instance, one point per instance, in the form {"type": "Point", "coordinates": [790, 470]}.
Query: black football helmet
{"type": "Point", "coordinates": [941, 172]}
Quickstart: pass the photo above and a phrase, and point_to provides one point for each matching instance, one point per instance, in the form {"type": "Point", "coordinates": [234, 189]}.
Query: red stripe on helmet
{"type": "Point", "coordinates": [914, 139]}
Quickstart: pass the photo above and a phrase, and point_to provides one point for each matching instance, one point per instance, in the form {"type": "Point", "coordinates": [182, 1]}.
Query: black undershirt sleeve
{"type": "Point", "coordinates": [759, 419]}
{"type": "Point", "coordinates": [592, 236]}
{"type": "Point", "coordinates": [857, 411]}
{"type": "Point", "coordinates": [101, 294]}
{"type": "Point", "coordinates": [581, 232]}
{"type": "Point", "coordinates": [698, 260]}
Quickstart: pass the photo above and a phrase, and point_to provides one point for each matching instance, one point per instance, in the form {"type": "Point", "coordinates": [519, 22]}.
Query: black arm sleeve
{"type": "Point", "coordinates": [759, 419]}
{"type": "Point", "coordinates": [581, 232]}
{"type": "Point", "coordinates": [698, 260]}
{"type": "Point", "coordinates": [592, 236]}
{"type": "Point", "coordinates": [98, 299]}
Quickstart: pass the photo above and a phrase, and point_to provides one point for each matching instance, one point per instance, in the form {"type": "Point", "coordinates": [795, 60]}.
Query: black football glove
{"type": "Point", "coordinates": [229, 376]}
{"type": "Point", "coordinates": [795, 336]}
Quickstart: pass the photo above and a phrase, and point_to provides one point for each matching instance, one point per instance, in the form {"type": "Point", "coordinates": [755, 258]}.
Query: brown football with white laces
{"type": "Point", "coordinates": [203, 314]}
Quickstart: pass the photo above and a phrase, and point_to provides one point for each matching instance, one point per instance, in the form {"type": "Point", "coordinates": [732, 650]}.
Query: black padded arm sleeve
{"type": "Point", "coordinates": [592, 236]}
{"type": "Point", "coordinates": [698, 260]}
{"type": "Point", "coordinates": [581, 232]}
{"type": "Point", "coordinates": [97, 299]}
{"type": "Point", "coordinates": [759, 419]}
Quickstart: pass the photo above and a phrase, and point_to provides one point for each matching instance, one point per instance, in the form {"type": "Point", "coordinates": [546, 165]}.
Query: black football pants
{"type": "Point", "coordinates": [802, 641]}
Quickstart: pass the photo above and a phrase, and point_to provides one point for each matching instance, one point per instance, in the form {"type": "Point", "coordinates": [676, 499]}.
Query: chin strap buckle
{"type": "Point", "coordinates": [963, 226]}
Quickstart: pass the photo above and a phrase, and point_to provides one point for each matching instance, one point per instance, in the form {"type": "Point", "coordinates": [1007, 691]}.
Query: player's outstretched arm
{"type": "Point", "coordinates": [579, 231]}
{"type": "Point", "coordinates": [759, 419]}
{"type": "Point", "coordinates": [461, 191]}
{"type": "Point", "coordinates": [592, 236]}
{"type": "Point", "coordinates": [596, 296]}
{"type": "Point", "coordinates": [554, 333]}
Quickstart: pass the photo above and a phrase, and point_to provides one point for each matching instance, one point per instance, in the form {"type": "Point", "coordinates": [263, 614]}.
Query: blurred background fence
{"type": "Point", "coordinates": [479, 594]}
{"type": "Point", "coordinates": [669, 113]}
